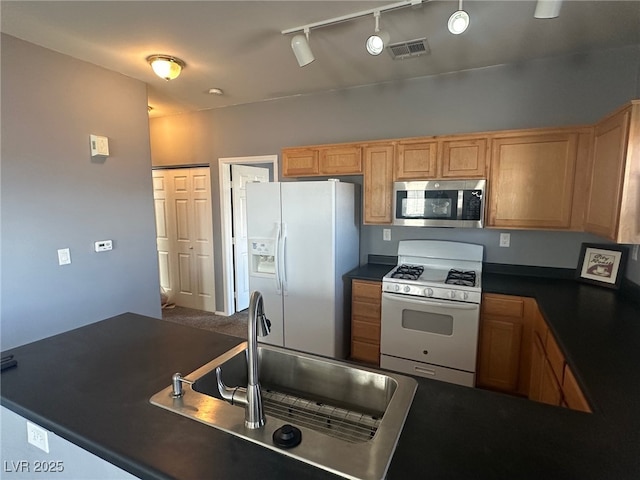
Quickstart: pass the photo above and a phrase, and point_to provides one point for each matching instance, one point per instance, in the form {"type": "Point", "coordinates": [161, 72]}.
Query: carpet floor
{"type": "Point", "coordinates": [235, 324]}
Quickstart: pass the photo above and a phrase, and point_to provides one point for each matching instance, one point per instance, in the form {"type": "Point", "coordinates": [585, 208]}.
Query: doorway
{"type": "Point", "coordinates": [233, 223]}
{"type": "Point", "coordinates": [182, 201]}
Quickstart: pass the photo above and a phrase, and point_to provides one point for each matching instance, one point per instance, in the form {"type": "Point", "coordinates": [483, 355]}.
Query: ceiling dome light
{"type": "Point", "coordinates": [458, 21]}
{"type": "Point", "coordinates": [301, 49]}
{"type": "Point", "coordinates": [375, 43]}
{"type": "Point", "coordinates": [166, 66]}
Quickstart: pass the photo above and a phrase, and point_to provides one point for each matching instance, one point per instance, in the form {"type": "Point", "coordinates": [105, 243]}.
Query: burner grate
{"type": "Point", "coordinates": [408, 272]}
{"type": "Point", "coordinates": [466, 278]}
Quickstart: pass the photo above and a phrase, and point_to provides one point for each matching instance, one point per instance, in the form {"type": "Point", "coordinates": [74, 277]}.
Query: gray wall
{"type": "Point", "coordinates": [578, 89]}
{"type": "Point", "coordinates": [54, 195]}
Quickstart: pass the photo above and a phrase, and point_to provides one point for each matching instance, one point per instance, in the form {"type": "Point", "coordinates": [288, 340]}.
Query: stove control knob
{"type": "Point", "coordinates": [464, 295]}
{"type": "Point", "coordinates": [407, 289]}
{"type": "Point", "coordinates": [451, 294]}
{"type": "Point", "coordinates": [396, 288]}
{"type": "Point", "coordinates": [428, 292]}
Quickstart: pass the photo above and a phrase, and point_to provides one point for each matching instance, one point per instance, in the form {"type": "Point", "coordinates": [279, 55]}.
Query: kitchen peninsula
{"type": "Point", "coordinates": [92, 385]}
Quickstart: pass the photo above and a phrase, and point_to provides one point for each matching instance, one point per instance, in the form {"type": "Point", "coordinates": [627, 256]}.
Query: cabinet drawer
{"type": "Point", "coordinates": [503, 306]}
{"type": "Point", "coordinates": [365, 331]}
{"type": "Point", "coordinates": [556, 358]}
{"type": "Point", "coordinates": [540, 327]}
{"type": "Point", "coordinates": [367, 291]}
{"type": "Point", "coordinates": [367, 310]}
{"type": "Point", "coordinates": [573, 396]}
{"type": "Point", "coordinates": [365, 352]}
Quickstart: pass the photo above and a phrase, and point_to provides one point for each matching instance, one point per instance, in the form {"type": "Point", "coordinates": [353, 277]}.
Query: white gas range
{"type": "Point", "coordinates": [431, 310]}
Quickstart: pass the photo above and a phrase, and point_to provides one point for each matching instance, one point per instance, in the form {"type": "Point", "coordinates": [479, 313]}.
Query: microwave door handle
{"type": "Point", "coordinates": [453, 305]}
{"type": "Point", "coordinates": [460, 204]}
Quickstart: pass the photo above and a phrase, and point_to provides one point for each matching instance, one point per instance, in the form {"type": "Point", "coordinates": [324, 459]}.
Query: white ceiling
{"type": "Point", "coordinates": [237, 45]}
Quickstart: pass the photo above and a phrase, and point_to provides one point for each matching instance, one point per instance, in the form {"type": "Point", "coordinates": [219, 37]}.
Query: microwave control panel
{"type": "Point", "coordinates": [472, 205]}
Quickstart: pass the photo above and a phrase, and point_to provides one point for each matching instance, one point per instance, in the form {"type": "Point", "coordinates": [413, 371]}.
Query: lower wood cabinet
{"type": "Point", "coordinates": [518, 354]}
{"type": "Point", "coordinates": [366, 298]}
{"type": "Point", "coordinates": [552, 380]}
{"type": "Point", "coordinates": [504, 352]}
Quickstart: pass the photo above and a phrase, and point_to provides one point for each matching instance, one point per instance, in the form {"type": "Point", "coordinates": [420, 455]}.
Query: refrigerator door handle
{"type": "Point", "coordinates": [283, 259]}
{"type": "Point", "coordinates": [277, 259]}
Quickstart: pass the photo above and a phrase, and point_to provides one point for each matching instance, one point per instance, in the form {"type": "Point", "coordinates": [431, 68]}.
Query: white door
{"type": "Point", "coordinates": [185, 236]}
{"type": "Point", "coordinates": [240, 175]}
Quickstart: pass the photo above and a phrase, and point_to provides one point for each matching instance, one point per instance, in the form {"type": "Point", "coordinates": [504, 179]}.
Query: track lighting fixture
{"type": "Point", "coordinates": [458, 21]}
{"type": "Point", "coordinates": [166, 66]}
{"type": "Point", "coordinates": [375, 43]}
{"type": "Point", "coordinates": [301, 49]}
{"type": "Point", "coordinates": [548, 8]}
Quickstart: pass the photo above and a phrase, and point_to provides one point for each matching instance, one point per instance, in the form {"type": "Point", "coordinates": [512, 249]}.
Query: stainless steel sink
{"type": "Point", "coordinates": [350, 416]}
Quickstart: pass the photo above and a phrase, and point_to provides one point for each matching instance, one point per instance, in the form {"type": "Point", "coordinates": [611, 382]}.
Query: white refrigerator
{"type": "Point", "coordinates": [303, 237]}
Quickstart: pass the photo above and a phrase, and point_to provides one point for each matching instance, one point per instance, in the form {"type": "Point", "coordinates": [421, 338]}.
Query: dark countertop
{"type": "Point", "coordinates": [92, 385]}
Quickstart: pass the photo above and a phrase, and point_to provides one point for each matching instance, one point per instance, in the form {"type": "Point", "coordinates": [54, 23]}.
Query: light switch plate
{"type": "Point", "coordinates": [99, 146]}
{"type": "Point", "coordinates": [64, 256]}
{"type": "Point", "coordinates": [386, 234]}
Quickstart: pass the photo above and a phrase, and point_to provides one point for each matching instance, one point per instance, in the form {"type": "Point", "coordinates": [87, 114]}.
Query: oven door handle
{"type": "Point", "coordinates": [425, 301]}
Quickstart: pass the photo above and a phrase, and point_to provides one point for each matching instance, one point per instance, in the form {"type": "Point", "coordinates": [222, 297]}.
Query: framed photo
{"type": "Point", "coordinates": [602, 264]}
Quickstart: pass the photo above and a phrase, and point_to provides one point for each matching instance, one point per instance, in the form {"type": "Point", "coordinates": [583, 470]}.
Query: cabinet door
{"type": "Point", "coordinates": [504, 353]}
{"type": "Point", "coordinates": [499, 354]}
{"type": "Point", "coordinates": [298, 162]}
{"type": "Point", "coordinates": [416, 161]}
{"type": "Point", "coordinates": [341, 161]}
{"type": "Point", "coordinates": [607, 170]}
{"type": "Point", "coordinates": [463, 158]}
{"type": "Point", "coordinates": [378, 183]}
{"type": "Point", "coordinates": [531, 181]}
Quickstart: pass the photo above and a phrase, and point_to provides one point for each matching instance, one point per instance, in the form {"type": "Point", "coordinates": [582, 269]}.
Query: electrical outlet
{"type": "Point", "coordinates": [505, 239]}
{"type": "Point", "coordinates": [634, 252]}
{"type": "Point", "coordinates": [38, 436]}
{"type": "Point", "coordinates": [386, 234]}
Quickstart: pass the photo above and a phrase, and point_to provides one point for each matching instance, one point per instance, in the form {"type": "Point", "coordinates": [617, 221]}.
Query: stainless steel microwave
{"type": "Point", "coordinates": [439, 203]}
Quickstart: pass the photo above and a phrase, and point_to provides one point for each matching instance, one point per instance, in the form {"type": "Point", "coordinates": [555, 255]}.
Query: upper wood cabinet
{"type": "Point", "coordinates": [463, 158]}
{"type": "Point", "coordinates": [316, 161]}
{"type": "Point", "coordinates": [446, 157]}
{"type": "Point", "coordinates": [378, 183]}
{"type": "Point", "coordinates": [532, 179]}
{"type": "Point", "coordinates": [416, 160]}
{"type": "Point", "coordinates": [298, 162]}
{"type": "Point", "coordinates": [613, 207]}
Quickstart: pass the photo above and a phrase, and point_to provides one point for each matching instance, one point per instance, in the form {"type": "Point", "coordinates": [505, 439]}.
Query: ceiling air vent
{"type": "Point", "coordinates": [409, 49]}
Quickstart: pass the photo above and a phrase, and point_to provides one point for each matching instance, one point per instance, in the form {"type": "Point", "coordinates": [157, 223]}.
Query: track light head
{"type": "Point", "coordinates": [375, 43]}
{"type": "Point", "coordinates": [458, 22]}
{"type": "Point", "coordinates": [547, 8]}
{"type": "Point", "coordinates": [301, 49]}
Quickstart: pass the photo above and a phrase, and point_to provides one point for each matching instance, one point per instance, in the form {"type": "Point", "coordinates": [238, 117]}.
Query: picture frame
{"type": "Point", "coordinates": [602, 264]}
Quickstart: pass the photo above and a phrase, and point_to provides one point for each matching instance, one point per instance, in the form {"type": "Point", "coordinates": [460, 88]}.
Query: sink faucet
{"type": "Point", "coordinates": [250, 397]}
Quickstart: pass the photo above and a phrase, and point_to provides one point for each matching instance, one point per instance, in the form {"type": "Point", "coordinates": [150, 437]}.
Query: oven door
{"type": "Point", "coordinates": [439, 332]}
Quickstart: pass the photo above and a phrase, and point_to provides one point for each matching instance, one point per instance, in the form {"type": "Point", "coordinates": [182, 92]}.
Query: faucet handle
{"type": "Point", "coordinates": [264, 326]}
